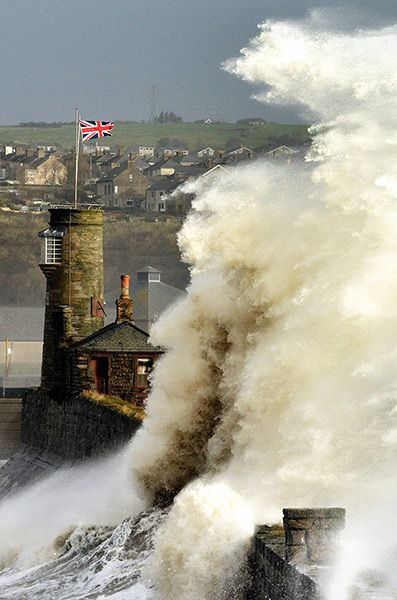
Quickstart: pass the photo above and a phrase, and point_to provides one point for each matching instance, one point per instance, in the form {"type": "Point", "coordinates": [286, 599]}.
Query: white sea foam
{"type": "Point", "coordinates": [280, 383]}
{"type": "Point", "coordinates": [34, 522]}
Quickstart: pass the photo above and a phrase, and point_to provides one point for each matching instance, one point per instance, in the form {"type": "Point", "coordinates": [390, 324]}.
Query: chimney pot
{"type": "Point", "coordinates": [124, 304]}
{"type": "Point", "coordinates": [125, 286]}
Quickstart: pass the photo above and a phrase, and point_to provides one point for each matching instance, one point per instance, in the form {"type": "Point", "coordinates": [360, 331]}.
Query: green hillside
{"type": "Point", "coordinates": [191, 135]}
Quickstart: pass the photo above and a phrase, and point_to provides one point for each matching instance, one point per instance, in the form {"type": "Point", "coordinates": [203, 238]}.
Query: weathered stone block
{"type": "Point", "coordinates": [318, 528]}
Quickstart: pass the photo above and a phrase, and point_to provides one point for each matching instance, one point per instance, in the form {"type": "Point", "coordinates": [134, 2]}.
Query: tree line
{"type": "Point", "coordinates": [43, 124]}
{"type": "Point", "coordinates": [167, 118]}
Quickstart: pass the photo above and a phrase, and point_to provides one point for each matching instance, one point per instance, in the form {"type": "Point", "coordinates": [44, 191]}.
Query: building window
{"type": "Point", "coordinates": [154, 277]}
{"type": "Point", "coordinates": [116, 189]}
{"type": "Point", "coordinates": [52, 250]}
{"type": "Point", "coordinates": [161, 206]}
{"type": "Point", "coordinates": [144, 367]}
{"type": "Point", "coordinates": [51, 246]}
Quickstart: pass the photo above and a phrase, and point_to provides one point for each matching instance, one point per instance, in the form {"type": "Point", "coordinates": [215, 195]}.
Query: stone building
{"type": "Point", "coordinates": [59, 423]}
{"type": "Point", "coordinates": [72, 262]}
{"type": "Point", "coordinates": [115, 360]}
{"type": "Point", "coordinates": [125, 185]}
{"type": "Point", "coordinates": [79, 353]}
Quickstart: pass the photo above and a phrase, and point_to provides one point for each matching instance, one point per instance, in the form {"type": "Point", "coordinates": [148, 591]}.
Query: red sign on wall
{"type": "Point", "coordinates": [98, 307]}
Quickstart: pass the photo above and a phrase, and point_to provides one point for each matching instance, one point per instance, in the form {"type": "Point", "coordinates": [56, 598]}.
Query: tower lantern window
{"type": "Point", "coordinates": [51, 246]}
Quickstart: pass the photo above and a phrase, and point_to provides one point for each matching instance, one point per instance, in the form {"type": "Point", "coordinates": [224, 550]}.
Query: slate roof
{"type": "Point", "coordinates": [139, 163]}
{"type": "Point", "coordinates": [189, 160]}
{"type": "Point", "coordinates": [152, 299]}
{"type": "Point", "coordinates": [34, 162]}
{"type": "Point", "coordinates": [113, 173]}
{"type": "Point", "coordinates": [192, 171]}
{"type": "Point", "coordinates": [167, 163]}
{"type": "Point", "coordinates": [162, 183]}
{"type": "Point", "coordinates": [148, 269]}
{"type": "Point", "coordinates": [117, 337]}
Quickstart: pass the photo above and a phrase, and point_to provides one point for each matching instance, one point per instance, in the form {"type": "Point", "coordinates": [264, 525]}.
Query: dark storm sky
{"type": "Point", "coordinates": [105, 55]}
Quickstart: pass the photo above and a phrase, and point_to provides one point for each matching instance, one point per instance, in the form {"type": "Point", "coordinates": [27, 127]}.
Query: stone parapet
{"type": "Point", "coordinates": [310, 533]}
{"type": "Point", "coordinates": [286, 563]}
{"type": "Point", "coordinates": [273, 578]}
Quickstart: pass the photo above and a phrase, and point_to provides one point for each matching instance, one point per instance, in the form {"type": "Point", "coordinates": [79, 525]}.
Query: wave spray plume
{"type": "Point", "coordinates": [280, 384]}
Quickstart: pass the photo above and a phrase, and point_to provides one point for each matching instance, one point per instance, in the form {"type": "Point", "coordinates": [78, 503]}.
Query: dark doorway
{"type": "Point", "coordinates": [100, 368]}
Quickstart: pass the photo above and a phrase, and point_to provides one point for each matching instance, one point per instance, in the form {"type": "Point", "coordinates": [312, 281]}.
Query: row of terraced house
{"type": "Point", "coordinates": [143, 178]}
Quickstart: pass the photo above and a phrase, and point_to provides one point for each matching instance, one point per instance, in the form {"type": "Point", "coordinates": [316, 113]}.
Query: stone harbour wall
{"type": "Point", "coordinates": [273, 578]}
{"type": "Point", "coordinates": [56, 434]}
{"type": "Point", "coordinates": [73, 429]}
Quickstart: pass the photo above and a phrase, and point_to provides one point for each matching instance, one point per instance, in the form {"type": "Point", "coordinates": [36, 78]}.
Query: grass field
{"type": "Point", "coordinates": [193, 136]}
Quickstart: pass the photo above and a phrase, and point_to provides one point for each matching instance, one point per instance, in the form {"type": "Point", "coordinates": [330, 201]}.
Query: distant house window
{"type": "Point", "coordinates": [116, 189]}
{"type": "Point", "coordinates": [154, 277]}
{"type": "Point", "coordinates": [144, 367]}
{"type": "Point", "coordinates": [51, 246]}
{"type": "Point", "coordinates": [161, 206]}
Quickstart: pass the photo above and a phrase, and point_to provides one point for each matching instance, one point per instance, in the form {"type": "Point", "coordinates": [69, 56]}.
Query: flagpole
{"type": "Point", "coordinates": [77, 156]}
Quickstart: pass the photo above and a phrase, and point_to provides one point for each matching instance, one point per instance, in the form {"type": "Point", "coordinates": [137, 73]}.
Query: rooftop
{"type": "Point", "coordinates": [118, 337]}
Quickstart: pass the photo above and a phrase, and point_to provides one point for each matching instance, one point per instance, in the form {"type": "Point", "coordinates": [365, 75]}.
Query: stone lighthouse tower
{"type": "Point", "coordinates": [72, 262]}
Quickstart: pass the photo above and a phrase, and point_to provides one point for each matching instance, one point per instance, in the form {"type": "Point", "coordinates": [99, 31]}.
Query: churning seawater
{"type": "Point", "coordinates": [93, 562]}
{"type": "Point", "coordinates": [279, 385]}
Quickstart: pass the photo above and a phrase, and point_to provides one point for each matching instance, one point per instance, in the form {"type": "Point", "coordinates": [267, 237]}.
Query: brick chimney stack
{"type": "Point", "coordinates": [124, 304]}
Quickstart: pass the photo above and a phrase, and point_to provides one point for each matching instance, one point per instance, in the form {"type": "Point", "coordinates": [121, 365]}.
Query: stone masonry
{"type": "Point", "coordinates": [58, 434]}
{"type": "Point", "coordinates": [74, 429]}
{"type": "Point", "coordinates": [309, 533]}
{"type": "Point", "coordinates": [285, 564]}
{"type": "Point", "coordinates": [74, 286]}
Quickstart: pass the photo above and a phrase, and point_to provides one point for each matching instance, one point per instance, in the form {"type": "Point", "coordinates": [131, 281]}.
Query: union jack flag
{"type": "Point", "coordinates": [95, 129]}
